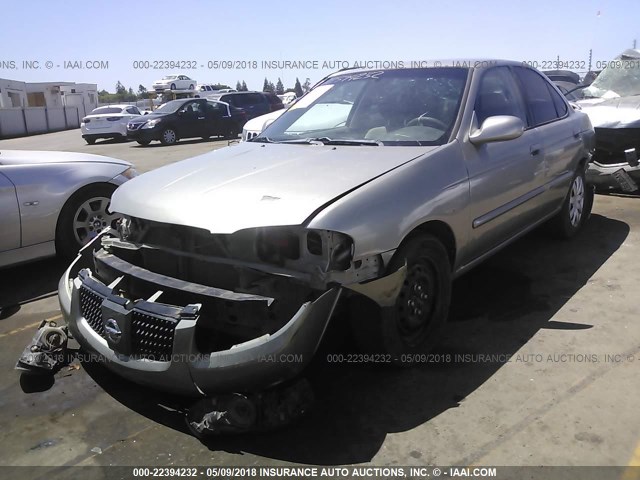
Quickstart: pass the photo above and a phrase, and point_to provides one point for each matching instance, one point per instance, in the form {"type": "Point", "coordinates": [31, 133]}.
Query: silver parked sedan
{"type": "Point", "coordinates": [378, 187]}
{"type": "Point", "coordinates": [54, 201]}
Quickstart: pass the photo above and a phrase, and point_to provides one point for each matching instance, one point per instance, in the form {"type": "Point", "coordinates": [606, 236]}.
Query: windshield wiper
{"type": "Point", "coordinates": [338, 141]}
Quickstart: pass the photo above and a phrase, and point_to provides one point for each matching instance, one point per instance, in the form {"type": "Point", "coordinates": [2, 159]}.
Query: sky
{"type": "Point", "coordinates": [118, 38]}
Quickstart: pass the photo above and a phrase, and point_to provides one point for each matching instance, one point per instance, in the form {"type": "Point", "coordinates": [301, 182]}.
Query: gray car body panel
{"type": "Point", "coordinates": [254, 185]}
{"type": "Point", "coordinates": [484, 195]}
{"type": "Point", "coordinates": [42, 182]}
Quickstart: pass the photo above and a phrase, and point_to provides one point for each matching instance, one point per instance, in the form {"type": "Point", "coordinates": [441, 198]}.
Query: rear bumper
{"type": "Point", "coordinates": [246, 367]}
{"type": "Point", "coordinates": [106, 132]}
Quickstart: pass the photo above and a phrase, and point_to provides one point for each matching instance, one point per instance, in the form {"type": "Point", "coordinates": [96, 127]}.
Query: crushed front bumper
{"type": "Point", "coordinates": [607, 177]}
{"type": "Point", "coordinates": [115, 331]}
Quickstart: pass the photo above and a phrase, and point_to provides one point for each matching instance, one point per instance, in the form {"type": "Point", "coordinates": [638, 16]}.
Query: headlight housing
{"type": "Point", "coordinates": [129, 173]}
{"type": "Point", "coordinates": [151, 123]}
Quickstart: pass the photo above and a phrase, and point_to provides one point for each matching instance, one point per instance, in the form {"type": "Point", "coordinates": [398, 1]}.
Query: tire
{"type": "Point", "coordinates": [83, 216]}
{"type": "Point", "coordinates": [168, 136]}
{"type": "Point", "coordinates": [144, 143]}
{"type": "Point", "coordinates": [173, 86]}
{"type": "Point", "coordinates": [231, 134]}
{"type": "Point", "coordinates": [90, 141]}
{"type": "Point", "coordinates": [191, 87]}
{"type": "Point", "coordinates": [413, 325]}
{"type": "Point", "coordinates": [576, 208]}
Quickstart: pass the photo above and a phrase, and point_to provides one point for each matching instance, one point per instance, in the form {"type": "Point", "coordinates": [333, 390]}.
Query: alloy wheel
{"type": "Point", "coordinates": [91, 218]}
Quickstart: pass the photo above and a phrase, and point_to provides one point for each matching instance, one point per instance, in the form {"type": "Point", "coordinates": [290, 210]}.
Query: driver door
{"type": "Point", "coordinates": [193, 119]}
{"type": "Point", "coordinates": [505, 175]}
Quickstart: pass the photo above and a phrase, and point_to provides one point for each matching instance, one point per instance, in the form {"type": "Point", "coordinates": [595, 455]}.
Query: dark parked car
{"type": "Point", "coordinates": [254, 103]}
{"type": "Point", "coordinates": [187, 118]}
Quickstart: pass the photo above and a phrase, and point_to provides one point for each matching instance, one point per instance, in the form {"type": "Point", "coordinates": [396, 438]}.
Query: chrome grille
{"type": "Point", "coordinates": [152, 335]}
{"type": "Point", "coordinates": [91, 309]}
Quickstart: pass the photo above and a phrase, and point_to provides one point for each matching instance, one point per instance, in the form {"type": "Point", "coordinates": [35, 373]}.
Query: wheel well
{"type": "Point", "coordinates": [78, 193]}
{"type": "Point", "coordinates": [442, 232]}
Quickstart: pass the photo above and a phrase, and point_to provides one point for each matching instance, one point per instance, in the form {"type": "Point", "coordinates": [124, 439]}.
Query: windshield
{"type": "Point", "coordinates": [621, 78]}
{"type": "Point", "coordinates": [103, 110]}
{"type": "Point", "coordinates": [389, 107]}
{"type": "Point", "coordinates": [170, 107]}
{"type": "Point", "coordinates": [170, 77]}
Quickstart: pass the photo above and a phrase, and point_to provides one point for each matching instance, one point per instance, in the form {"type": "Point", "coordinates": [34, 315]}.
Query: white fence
{"type": "Point", "coordinates": [19, 122]}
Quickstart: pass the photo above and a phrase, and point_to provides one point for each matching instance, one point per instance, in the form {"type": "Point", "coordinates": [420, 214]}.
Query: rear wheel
{"type": "Point", "coordinates": [168, 136]}
{"type": "Point", "coordinates": [144, 143]}
{"type": "Point", "coordinates": [90, 141]}
{"type": "Point", "coordinates": [83, 217]}
{"type": "Point", "coordinates": [413, 324]}
{"type": "Point", "coordinates": [173, 86]}
{"type": "Point", "coordinates": [231, 134]}
{"type": "Point", "coordinates": [576, 208]}
{"type": "Point", "coordinates": [191, 87]}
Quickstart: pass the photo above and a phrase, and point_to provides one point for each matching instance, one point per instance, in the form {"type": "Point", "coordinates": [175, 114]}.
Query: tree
{"type": "Point", "coordinates": [238, 86]}
{"type": "Point", "coordinates": [298, 88]}
{"type": "Point", "coordinates": [142, 91]}
{"type": "Point", "coordinates": [279, 87]}
{"type": "Point", "coordinates": [244, 87]}
{"type": "Point", "coordinates": [307, 85]}
{"type": "Point", "coordinates": [131, 91]}
{"type": "Point", "coordinates": [219, 86]}
{"type": "Point", "coordinates": [120, 88]}
{"type": "Point", "coordinates": [266, 87]}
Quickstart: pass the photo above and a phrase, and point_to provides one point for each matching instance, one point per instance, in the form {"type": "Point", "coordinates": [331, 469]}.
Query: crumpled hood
{"type": "Point", "coordinates": [621, 112]}
{"type": "Point", "coordinates": [255, 185]}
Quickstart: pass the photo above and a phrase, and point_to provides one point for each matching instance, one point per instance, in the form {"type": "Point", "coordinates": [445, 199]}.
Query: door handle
{"type": "Point", "coordinates": [577, 134]}
{"type": "Point", "coordinates": [534, 150]}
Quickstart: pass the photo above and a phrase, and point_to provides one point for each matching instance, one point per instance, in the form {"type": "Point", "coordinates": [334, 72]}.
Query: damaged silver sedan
{"type": "Point", "coordinates": [612, 102]}
{"type": "Point", "coordinates": [379, 187]}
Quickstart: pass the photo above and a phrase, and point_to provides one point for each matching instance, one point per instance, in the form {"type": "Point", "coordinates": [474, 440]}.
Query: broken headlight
{"type": "Point", "coordinates": [277, 245]}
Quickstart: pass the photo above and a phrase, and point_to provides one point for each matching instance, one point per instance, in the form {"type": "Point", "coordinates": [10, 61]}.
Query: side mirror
{"type": "Point", "coordinates": [497, 129]}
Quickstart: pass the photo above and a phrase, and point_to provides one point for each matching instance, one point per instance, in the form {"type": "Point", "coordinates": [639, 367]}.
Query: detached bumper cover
{"type": "Point", "coordinates": [121, 333]}
{"type": "Point", "coordinates": [602, 176]}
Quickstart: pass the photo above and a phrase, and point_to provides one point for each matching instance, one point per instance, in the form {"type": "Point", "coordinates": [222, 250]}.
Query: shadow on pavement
{"type": "Point", "coordinates": [496, 309]}
{"type": "Point", "coordinates": [25, 283]}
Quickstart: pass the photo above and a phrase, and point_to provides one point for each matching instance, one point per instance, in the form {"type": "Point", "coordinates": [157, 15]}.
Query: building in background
{"type": "Point", "coordinates": [40, 107]}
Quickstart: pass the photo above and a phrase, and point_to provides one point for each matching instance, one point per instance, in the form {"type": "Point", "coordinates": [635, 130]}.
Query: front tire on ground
{"type": "Point", "coordinates": [414, 323]}
{"type": "Point", "coordinates": [168, 137]}
{"type": "Point", "coordinates": [90, 141]}
{"type": "Point", "coordinates": [144, 143]}
{"type": "Point", "coordinates": [83, 217]}
{"type": "Point", "coordinates": [231, 134]}
{"type": "Point", "coordinates": [576, 208]}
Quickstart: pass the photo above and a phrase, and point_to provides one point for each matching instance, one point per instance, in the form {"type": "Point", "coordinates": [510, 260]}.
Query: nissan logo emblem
{"type": "Point", "coordinates": [112, 330]}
